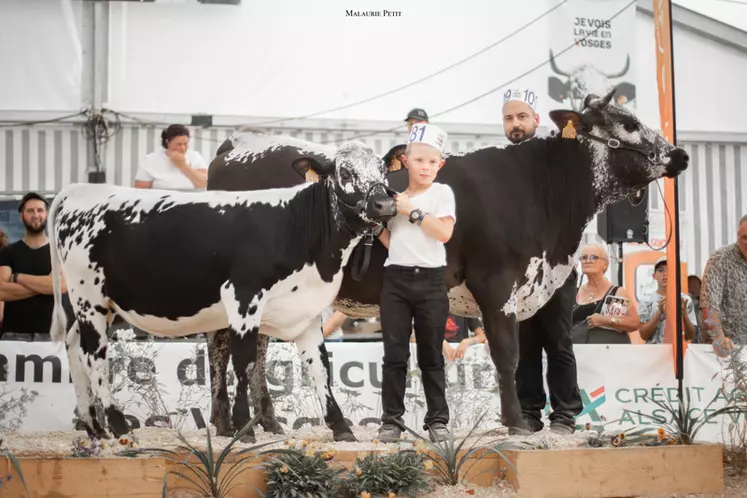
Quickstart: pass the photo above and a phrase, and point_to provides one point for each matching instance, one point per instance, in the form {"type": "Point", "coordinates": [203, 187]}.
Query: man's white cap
{"type": "Point", "coordinates": [522, 95]}
{"type": "Point", "coordinates": [428, 134]}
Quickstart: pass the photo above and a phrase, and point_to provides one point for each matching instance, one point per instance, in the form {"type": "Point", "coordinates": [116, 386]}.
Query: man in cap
{"type": "Point", "coordinates": [25, 276]}
{"type": "Point", "coordinates": [550, 327]}
{"type": "Point", "coordinates": [414, 285]}
{"type": "Point", "coordinates": [652, 309]}
{"type": "Point", "coordinates": [416, 116]}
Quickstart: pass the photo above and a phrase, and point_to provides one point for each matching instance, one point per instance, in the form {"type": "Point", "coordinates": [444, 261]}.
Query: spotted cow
{"type": "Point", "coordinates": [522, 211]}
{"type": "Point", "coordinates": [182, 263]}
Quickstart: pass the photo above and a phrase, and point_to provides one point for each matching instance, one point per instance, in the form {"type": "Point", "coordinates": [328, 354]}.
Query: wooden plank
{"type": "Point", "coordinates": [618, 472]}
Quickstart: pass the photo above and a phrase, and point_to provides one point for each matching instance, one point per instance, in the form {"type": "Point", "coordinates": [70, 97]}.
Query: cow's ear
{"type": "Point", "coordinates": [310, 169]}
{"type": "Point", "coordinates": [557, 90]}
{"type": "Point", "coordinates": [563, 117]}
{"type": "Point", "coordinates": [393, 158]}
{"type": "Point", "coordinates": [624, 93]}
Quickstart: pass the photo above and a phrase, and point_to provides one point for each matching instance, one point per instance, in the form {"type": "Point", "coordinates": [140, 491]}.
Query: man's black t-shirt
{"type": "Point", "coordinates": [458, 327]}
{"type": "Point", "coordinates": [32, 315]}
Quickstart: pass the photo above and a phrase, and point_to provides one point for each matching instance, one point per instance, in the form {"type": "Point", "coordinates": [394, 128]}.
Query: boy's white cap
{"type": "Point", "coordinates": [522, 95]}
{"type": "Point", "coordinates": [428, 134]}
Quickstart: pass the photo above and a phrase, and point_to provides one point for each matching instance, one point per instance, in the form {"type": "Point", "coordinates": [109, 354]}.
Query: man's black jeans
{"type": "Point", "coordinates": [419, 293]}
{"type": "Point", "coordinates": [549, 329]}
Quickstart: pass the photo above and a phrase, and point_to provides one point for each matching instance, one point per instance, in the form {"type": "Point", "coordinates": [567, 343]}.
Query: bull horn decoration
{"type": "Point", "coordinates": [621, 73]}
{"type": "Point", "coordinates": [555, 67]}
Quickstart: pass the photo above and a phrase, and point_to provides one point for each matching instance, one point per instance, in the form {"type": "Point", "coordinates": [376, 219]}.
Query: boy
{"type": "Point", "coordinates": [414, 285]}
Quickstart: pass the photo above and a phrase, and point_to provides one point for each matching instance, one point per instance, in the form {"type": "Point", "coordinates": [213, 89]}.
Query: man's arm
{"type": "Point", "coordinates": [40, 284]}
{"type": "Point", "coordinates": [649, 323]}
{"type": "Point", "coordinates": [688, 313]}
{"type": "Point", "coordinates": [10, 291]}
{"type": "Point", "coordinates": [712, 290]}
{"type": "Point", "coordinates": [333, 323]}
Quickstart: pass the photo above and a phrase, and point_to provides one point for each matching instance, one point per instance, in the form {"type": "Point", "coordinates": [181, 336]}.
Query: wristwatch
{"type": "Point", "coordinates": [615, 320]}
{"type": "Point", "coordinates": [377, 230]}
{"type": "Point", "coordinates": [416, 215]}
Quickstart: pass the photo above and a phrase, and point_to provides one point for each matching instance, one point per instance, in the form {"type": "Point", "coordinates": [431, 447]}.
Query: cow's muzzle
{"type": "Point", "coordinates": [678, 162]}
{"type": "Point", "coordinates": [380, 207]}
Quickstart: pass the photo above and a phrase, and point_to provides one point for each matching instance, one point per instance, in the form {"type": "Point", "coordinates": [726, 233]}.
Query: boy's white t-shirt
{"type": "Point", "coordinates": [158, 168]}
{"type": "Point", "coordinates": [409, 245]}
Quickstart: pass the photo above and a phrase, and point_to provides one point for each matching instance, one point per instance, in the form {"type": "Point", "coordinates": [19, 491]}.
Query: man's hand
{"type": "Point", "coordinates": [404, 205]}
{"type": "Point", "coordinates": [663, 306]}
{"type": "Point", "coordinates": [448, 351]}
{"type": "Point", "coordinates": [464, 345]}
{"type": "Point", "coordinates": [722, 345]}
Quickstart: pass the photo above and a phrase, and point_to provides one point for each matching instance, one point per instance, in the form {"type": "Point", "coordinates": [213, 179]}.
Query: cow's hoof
{"type": "Point", "coordinates": [346, 436]}
{"type": "Point", "coordinates": [273, 426]}
{"type": "Point", "coordinates": [248, 438]}
{"type": "Point", "coordinates": [224, 431]}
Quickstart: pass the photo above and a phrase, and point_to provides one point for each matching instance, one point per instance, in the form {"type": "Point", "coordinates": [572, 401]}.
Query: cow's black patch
{"type": "Point", "coordinates": [252, 309]}
{"type": "Point", "coordinates": [294, 289]}
{"type": "Point", "coordinates": [101, 355]}
{"type": "Point", "coordinates": [96, 281]}
{"type": "Point", "coordinates": [89, 338]}
{"type": "Point", "coordinates": [101, 309]}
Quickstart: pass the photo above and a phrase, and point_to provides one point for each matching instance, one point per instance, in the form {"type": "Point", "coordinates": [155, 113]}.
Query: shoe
{"type": "Point", "coordinates": [389, 433]}
{"type": "Point", "coordinates": [562, 429]}
{"type": "Point", "coordinates": [438, 432]}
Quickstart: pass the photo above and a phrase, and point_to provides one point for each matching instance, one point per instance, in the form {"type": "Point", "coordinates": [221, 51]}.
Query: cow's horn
{"type": "Point", "coordinates": [606, 99]}
{"type": "Point", "coordinates": [621, 73]}
{"type": "Point", "coordinates": [555, 67]}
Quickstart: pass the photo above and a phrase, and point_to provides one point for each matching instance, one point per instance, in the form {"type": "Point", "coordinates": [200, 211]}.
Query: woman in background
{"type": "Point", "coordinates": [174, 166]}
{"type": "Point", "coordinates": [591, 325]}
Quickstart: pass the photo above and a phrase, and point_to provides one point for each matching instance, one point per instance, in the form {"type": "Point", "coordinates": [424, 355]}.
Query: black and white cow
{"type": "Point", "coordinates": [586, 79]}
{"type": "Point", "coordinates": [182, 263]}
{"type": "Point", "coordinates": [522, 211]}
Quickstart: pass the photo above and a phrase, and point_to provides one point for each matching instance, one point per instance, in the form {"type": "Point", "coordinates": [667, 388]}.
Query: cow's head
{"type": "Point", "coordinates": [626, 154]}
{"type": "Point", "coordinates": [585, 79]}
{"type": "Point", "coordinates": [357, 177]}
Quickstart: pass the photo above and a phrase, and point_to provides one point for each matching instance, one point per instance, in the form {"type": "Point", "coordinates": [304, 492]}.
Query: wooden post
{"type": "Point", "coordinates": [665, 83]}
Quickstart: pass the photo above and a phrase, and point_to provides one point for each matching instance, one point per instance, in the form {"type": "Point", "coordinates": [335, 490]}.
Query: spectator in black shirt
{"type": "Point", "coordinates": [25, 277]}
{"type": "Point", "coordinates": [458, 329]}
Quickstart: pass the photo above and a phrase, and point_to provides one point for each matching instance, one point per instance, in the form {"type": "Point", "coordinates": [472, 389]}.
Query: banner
{"type": "Point", "coordinates": [603, 56]}
{"type": "Point", "coordinates": [162, 383]}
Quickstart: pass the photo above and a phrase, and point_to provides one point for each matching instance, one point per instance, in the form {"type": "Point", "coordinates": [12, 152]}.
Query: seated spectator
{"type": "Point", "coordinates": [652, 310]}
{"type": "Point", "coordinates": [25, 277]}
{"type": "Point", "coordinates": [173, 166]}
{"type": "Point", "coordinates": [723, 298]}
{"type": "Point", "coordinates": [332, 324]}
{"type": "Point", "coordinates": [603, 313]}
{"type": "Point", "coordinates": [693, 288]}
{"type": "Point", "coordinates": [3, 243]}
{"type": "Point", "coordinates": [466, 331]}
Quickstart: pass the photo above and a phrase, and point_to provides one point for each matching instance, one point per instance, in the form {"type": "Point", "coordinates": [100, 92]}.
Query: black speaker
{"type": "Point", "coordinates": [625, 221]}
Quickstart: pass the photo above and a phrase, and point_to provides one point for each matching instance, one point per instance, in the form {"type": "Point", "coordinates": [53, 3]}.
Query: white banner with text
{"type": "Point", "coordinates": [167, 383]}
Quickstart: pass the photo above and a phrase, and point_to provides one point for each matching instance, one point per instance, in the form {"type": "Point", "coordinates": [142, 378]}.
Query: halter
{"type": "Point", "coordinates": [614, 143]}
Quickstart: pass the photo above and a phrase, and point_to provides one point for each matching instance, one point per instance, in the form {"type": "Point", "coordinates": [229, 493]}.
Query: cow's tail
{"type": "Point", "coordinates": [59, 320]}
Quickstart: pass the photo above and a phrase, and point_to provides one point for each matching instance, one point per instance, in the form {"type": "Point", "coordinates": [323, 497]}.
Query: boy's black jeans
{"type": "Point", "coordinates": [419, 293]}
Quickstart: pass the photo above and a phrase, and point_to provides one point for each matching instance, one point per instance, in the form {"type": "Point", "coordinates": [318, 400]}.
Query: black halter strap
{"type": "Point", "coordinates": [614, 143]}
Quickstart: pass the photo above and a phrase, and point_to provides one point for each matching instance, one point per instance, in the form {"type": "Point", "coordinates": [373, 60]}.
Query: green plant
{"type": "Point", "coordinates": [683, 427]}
{"type": "Point", "coordinates": [402, 473]}
{"type": "Point", "coordinates": [299, 473]}
{"type": "Point", "coordinates": [448, 465]}
{"type": "Point", "coordinates": [17, 466]}
{"type": "Point", "coordinates": [735, 374]}
{"type": "Point", "coordinates": [206, 474]}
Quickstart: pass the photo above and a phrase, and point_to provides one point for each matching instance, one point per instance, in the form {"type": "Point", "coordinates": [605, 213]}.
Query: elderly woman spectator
{"type": "Point", "coordinates": [174, 166]}
{"type": "Point", "coordinates": [603, 313]}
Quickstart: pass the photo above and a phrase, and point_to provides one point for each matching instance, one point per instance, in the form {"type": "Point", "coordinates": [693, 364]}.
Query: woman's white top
{"type": "Point", "coordinates": [158, 168]}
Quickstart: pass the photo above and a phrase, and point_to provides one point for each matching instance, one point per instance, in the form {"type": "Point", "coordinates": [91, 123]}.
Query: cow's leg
{"type": "Point", "coordinates": [218, 344]}
{"type": "Point", "coordinates": [82, 385]}
{"type": "Point", "coordinates": [261, 400]}
{"type": "Point", "coordinates": [244, 310]}
{"type": "Point", "coordinates": [95, 345]}
{"type": "Point", "coordinates": [503, 340]}
{"type": "Point", "coordinates": [311, 347]}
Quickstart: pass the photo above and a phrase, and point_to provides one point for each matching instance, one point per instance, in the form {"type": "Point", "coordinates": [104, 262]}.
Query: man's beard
{"type": "Point", "coordinates": [521, 135]}
{"type": "Point", "coordinates": [35, 230]}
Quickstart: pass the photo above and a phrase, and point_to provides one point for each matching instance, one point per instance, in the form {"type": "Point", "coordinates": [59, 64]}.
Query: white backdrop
{"type": "Point", "coordinates": [616, 382]}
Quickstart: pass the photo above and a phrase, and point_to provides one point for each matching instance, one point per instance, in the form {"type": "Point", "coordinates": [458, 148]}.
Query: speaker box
{"type": "Point", "coordinates": [625, 221]}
